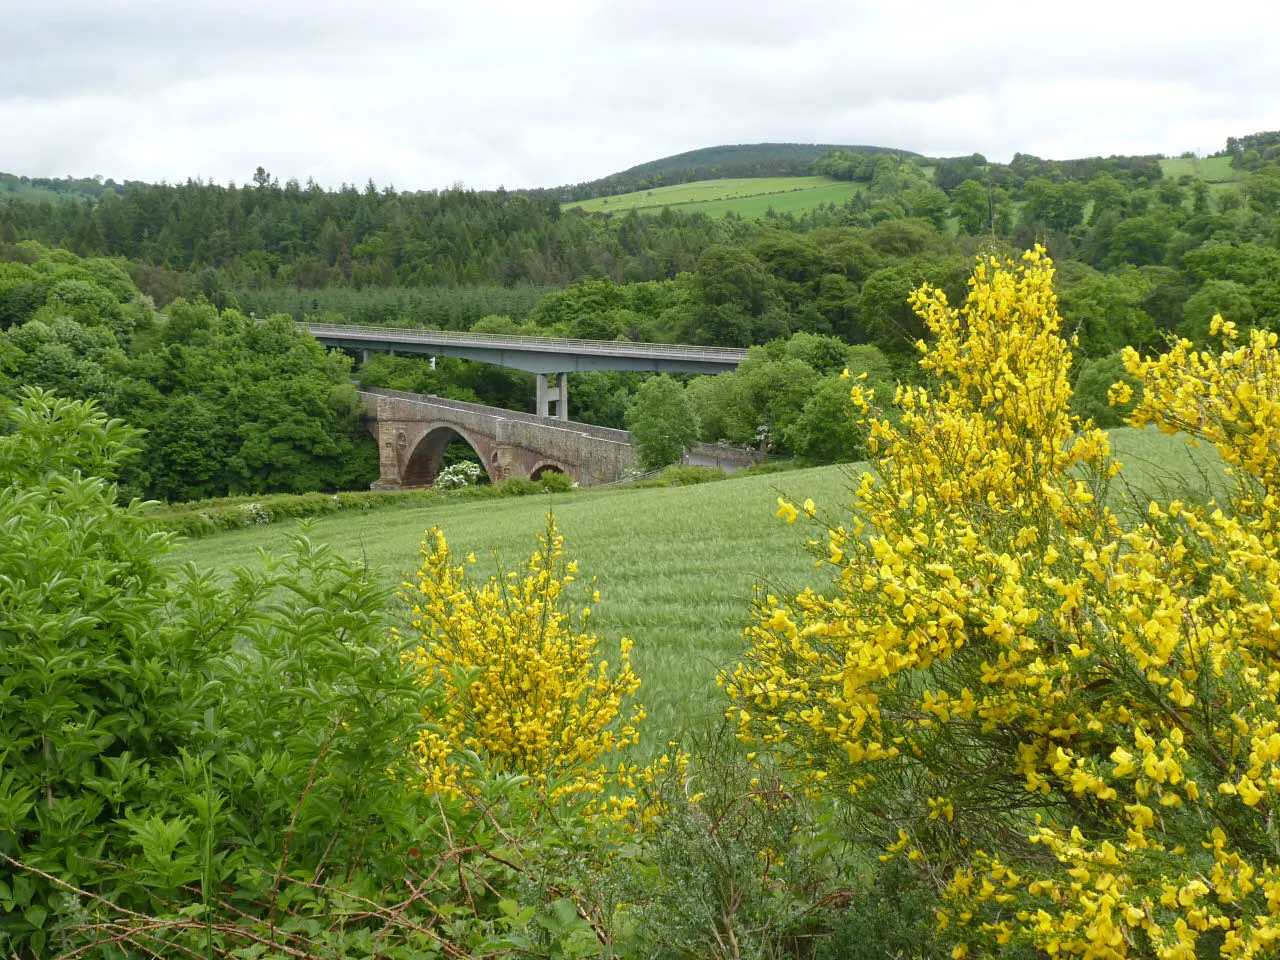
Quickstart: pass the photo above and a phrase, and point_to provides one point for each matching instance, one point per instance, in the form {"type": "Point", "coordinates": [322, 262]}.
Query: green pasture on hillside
{"type": "Point", "coordinates": [1212, 169]}
{"type": "Point", "coordinates": [751, 197]}
{"type": "Point", "coordinates": [675, 566]}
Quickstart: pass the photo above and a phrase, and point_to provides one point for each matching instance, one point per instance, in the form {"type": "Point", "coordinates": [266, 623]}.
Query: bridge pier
{"type": "Point", "coordinates": [561, 398]}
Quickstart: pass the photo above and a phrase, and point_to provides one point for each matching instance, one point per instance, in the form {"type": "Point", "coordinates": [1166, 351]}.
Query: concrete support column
{"type": "Point", "coordinates": [560, 397]}
{"type": "Point", "coordinates": [543, 397]}
{"type": "Point", "coordinates": [365, 354]}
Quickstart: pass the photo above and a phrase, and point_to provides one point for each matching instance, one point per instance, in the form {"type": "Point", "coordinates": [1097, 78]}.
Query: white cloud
{"type": "Point", "coordinates": [425, 94]}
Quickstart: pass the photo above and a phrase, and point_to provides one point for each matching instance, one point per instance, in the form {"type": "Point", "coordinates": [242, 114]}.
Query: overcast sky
{"type": "Point", "coordinates": [544, 92]}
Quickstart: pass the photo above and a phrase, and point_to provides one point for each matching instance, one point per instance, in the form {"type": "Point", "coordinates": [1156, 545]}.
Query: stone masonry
{"type": "Point", "coordinates": [413, 432]}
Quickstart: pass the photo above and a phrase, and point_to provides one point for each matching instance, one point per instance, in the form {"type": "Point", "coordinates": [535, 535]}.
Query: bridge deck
{"type": "Point", "coordinates": [534, 354]}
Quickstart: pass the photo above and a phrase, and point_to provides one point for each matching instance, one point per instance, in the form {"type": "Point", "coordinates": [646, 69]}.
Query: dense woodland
{"type": "Point", "coordinates": [144, 296]}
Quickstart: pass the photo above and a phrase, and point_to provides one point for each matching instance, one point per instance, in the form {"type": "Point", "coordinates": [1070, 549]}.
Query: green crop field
{"type": "Point", "coordinates": [675, 566]}
{"type": "Point", "coordinates": [1212, 169]}
{"type": "Point", "coordinates": [747, 197]}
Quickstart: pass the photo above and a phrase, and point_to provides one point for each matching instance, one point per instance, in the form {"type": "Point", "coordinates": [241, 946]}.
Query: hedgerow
{"type": "Point", "coordinates": [205, 517]}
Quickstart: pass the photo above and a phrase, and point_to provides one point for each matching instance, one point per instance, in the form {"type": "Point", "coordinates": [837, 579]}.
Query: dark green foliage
{"type": "Point", "coordinates": [441, 308]}
{"type": "Point", "coordinates": [971, 205]}
{"type": "Point", "coordinates": [662, 422]}
{"type": "Point", "coordinates": [1090, 393]}
{"type": "Point", "coordinates": [602, 396]}
{"type": "Point", "coordinates": [737, 299]}
{"type": "Point", "coordinates": [1140, 240]}
{"type": "Point", "coordinates": [1057, 206]}
{"type": "Point", "coordinates": [1225, 297]}
{"type": "Point", "coordinates": [227, 403]}
{"type": "Point", "coordinates": [826, 430]}
{"type": "Point", "coordinates": [242, 246]}
{"type": "Point", "coordinates": [889, 915]}
{"type": "Point", "coordinates": [754, 870]}
{"type": "Point", "coordinates": [1106, 311]}
{"type": "Point", "coordinates": [883, 306]}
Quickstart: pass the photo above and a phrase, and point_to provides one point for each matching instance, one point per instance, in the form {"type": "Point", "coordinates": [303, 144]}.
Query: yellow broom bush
{"type": "Point", "coordinates": [1065, 716]}
{"type": "Point", "coordinates": [527, 689]}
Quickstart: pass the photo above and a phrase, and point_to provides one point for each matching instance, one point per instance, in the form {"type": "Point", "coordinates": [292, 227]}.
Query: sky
{"type": "Point", "coordinates": [423, 95]}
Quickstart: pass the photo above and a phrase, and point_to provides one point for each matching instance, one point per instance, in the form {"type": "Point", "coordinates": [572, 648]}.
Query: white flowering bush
{"type": "Point", "coordinates": [465, 473]}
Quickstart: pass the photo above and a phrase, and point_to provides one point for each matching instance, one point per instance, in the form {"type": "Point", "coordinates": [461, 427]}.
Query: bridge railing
{"type": "Point", "coordinates": [342, 331]}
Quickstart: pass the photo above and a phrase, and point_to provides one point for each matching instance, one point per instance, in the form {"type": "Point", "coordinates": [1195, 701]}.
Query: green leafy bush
{"type": "Point", "coordinates": [553, 481]}
{"type": "Point", "coordinates": [1091, 395]}
{"type": "Point", "coordinates": [686, 475]}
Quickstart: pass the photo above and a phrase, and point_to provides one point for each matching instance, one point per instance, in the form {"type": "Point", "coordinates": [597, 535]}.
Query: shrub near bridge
{"type": "Point", "coordinates": [1065, 717]}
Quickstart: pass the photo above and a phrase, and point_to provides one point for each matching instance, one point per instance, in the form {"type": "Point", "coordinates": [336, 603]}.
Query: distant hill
{"type": "Point", "coordinates": [52, 188]}
{"type": "Point", "coordinates": [730, 161]}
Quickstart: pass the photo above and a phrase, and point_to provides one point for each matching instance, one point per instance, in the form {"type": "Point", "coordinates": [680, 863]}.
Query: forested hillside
{"type": "Point", "coordinates": [229, 404]}
{"type": "Point", "coordinates": [1141, 256]}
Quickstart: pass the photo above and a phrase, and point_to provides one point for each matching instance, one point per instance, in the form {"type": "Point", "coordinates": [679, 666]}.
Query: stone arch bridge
{"type": "Point", "coordinates": [414, 430]}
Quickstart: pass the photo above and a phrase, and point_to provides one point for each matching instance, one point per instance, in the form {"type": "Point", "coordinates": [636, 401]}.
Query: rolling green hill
{"type": "Point", "coordinates": [795, 155]}
{"type": "Point", "coordinates": [751, 197]}
{"type": "Point", "coordinates": [754, 160]}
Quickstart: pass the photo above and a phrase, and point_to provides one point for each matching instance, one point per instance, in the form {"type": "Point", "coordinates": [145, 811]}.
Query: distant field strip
{"type": "Point", "coordinates": [1211, 169]}
{"type": "Point", "coordinates": [747, 197]}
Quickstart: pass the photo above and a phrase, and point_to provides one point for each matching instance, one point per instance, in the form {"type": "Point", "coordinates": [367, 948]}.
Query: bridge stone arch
{"type": "Point", "coordinates": [413, 431]}
{"type": "Point", "coordinates": [422, 464]}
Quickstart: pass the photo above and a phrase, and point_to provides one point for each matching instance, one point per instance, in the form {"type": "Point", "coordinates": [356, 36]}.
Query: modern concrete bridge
{"type": "Point", "coordinates": [413, 432]}
{"type": "Point", "coordinates": [548, 357]}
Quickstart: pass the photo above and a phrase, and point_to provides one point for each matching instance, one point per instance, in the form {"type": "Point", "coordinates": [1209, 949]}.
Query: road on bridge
{"type": "Point", "coordinates": [534, 354]}
{"type": "Point", "coordinates": [545, 356]}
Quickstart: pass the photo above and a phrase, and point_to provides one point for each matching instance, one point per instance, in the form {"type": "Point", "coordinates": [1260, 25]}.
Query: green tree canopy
{"type": "Point", "coordinates": [662, 422]}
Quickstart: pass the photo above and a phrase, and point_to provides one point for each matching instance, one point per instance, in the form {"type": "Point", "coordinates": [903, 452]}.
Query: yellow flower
{"type": "Point", "coordinates": [787, 511]}
{"type": "Point", "coordinates": [524, 689]}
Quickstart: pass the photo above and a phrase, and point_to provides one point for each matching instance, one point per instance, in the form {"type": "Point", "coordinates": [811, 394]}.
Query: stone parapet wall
{"type": "Point", "coordinates": [729, 459]}
{"type": "Point", "coordinates": [604, 433]}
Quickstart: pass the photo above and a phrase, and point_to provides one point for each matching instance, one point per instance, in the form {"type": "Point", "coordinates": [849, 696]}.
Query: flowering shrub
{"type": "Point", "coordinates": [526, 688]}
{"type": "Point", "coordinates": [255, 513]}
{"type": "Point", "coordinates": [464, 473]}
{"type": "Point", "coordinates": [1065, 716]}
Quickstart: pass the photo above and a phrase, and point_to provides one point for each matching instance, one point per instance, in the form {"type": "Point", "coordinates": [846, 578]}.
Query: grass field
{"type": "Point", "coordinates": [675, 565]}
{"type": "Point", "coordinates": [747, 197]}
{"type": "Point", "coordinates": [1212, 169]}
